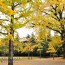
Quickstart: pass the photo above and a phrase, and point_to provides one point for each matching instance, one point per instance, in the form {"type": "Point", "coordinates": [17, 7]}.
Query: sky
{"type": "Point", "coordinates": [23, 32]}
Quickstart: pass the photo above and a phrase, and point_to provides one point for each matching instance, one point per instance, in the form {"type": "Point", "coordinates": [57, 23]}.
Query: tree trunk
{"type": "Point", "coordinates": [40, 54]}
{"type": "Point", "coordinates": [31, 55]}
{"type": "Point", "coordinates": [64, 50]}
{"type": "Point", "coordinates": [53, 56]}
{"type": "Point", "coordinates": [10, 56]}
{"type": "Point", "coordinates": [28, 55]}
{"type": "Point", "coordinates": [63, 38]}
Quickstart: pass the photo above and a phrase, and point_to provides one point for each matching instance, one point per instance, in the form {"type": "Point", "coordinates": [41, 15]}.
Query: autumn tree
{"type": "Point", "coordinates": [51, 50]}
{"type": "Point", "coordinates": [55, 17]}
{"type": "Point", "coordinates": [49, 14]}
{"type": "Point", "coordinates": [54, 45]}
{"type": "Point", "coordinates": [15, 12]}
{"type": "Point", "coordinates": [29, 45]}
{"type": "Point", "coordinates": [40, 48]}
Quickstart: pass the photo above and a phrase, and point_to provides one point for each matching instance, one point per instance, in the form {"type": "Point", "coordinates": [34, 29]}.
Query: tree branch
{"type": "Point", "coordinates": [2, 25]}
{"type": "Point", "coordinates": [17, 4]}
{"type": "Point", "coordinates": [4, 19]}
{"type": "Point", "coordinates": [3, 33]}
{"type": "Point", "coordinates": [53, 29]}
{"type": "Point", "coordinates": [52, 16]}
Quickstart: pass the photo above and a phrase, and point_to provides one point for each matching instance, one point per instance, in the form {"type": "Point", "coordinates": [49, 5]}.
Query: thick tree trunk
{"type": "Point", "coordinates": [63, 38]}
{"type": "Point", "coordinates": [64, 50]}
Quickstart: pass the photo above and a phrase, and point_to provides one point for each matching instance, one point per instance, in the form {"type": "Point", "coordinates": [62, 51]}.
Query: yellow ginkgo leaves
{"type": "Point", "coordinates": [10, 36]}
{"type": "Point", "coordinates": [55, 42]}
{"type": "Point", "coordinates": [51, 49]}
{"type": "Point", "coordinates": [2, 43]}
{"type": "Point", "coordinates": [28, 48]}
{"type": "Point", "coordinates": [6, 8]}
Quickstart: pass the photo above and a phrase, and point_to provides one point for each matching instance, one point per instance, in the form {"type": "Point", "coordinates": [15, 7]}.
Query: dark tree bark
{"type": "Point", "coordinates": [31, 55]}
{"type": "Point", "coordinates": [63, 38]}
{"type": "Point", "coordinates": [64, 50]}
{"type": "Point", "coordinates": [10, 56]}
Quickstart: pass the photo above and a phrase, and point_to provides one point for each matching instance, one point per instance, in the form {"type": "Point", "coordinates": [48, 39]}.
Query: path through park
{"type": "Point", "coordinates": [45, 61]}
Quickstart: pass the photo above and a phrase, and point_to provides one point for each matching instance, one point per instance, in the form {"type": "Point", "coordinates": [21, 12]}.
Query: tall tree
{"type": "Point", "coordinates": [56, 19]}
{"type": "Point", "coordinates": [50, 14]}
{"type": "Point", "coordinates": [16, 16]}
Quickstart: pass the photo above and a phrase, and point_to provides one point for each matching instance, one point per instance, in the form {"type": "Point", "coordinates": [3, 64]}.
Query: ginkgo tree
{"type": "Point", "coordinates": [40, 48]}
{"type": "Point", "coordinates": [16, 14]}
{"type": "Point", "coordinates": [55, 17]}
{"type": "Point", "coordinates": [29, 45]}
{"type": "Point", "coordinates": [50, 14]}
{"type": "Point", "coordinates": [54, 45]}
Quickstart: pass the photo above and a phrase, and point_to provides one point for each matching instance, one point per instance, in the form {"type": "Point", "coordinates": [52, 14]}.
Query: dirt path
{"type": "Point", "coordinates": [45, 61]}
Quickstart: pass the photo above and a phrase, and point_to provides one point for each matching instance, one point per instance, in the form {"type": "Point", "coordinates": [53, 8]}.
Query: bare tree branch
{"type": "Point", "coordinates": [56, 18]}
{"type": "Point", "coordinates": [3, 33]}
{"type": "Point", "coordinates": [53, 29]}
{"type": "Point", "coordinates": [3, 26]}
{"type": "Point", "coordinates": [17, 4]}
{"type": "Point", "coordinates": [4, 19]}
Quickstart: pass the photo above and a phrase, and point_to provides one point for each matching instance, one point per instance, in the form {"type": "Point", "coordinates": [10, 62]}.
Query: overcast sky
{"type": "Point", "coordinates": [23, 32]}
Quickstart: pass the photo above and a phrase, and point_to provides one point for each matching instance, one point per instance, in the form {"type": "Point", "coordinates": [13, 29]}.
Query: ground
{"type": "Point", "coordinates": [34, 61]}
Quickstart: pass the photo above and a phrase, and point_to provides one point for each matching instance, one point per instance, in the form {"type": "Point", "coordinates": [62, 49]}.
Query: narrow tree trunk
{"type": "Point", "coordinates": [53, 56]}
{"type": "Point", "coordinates": [28, 55]}
{"type": "Point", "coordinates": [50, 54]}
{"type": "Point", "coordinates": [10, 57]}
{"type": "Point", "coordinates": [40, 54]}
{"type": "Point", "coordinates": [31, 55]}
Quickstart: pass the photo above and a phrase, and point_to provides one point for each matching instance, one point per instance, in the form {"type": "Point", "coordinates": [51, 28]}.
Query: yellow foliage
{"type": "Point", "coordinates": [28, 48]}
{"type": "Point", "coordinates": [39, 6]}
{"type": "Point", "coordinates": [2, 43]}
{"type": "Point", "coordinates": [10, 36]}
{"type": "Point", "coordinates": [51, 48]}
{"type": "Point", "coordinates": [5, 7]}
{"type": "Point", "coordinates": [18, 46]}
{"type": "Point", "coordinates": [56, 40]}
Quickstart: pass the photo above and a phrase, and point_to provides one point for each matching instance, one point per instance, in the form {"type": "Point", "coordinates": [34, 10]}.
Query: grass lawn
{"type": "Point", "coordinates": [34, 61]}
